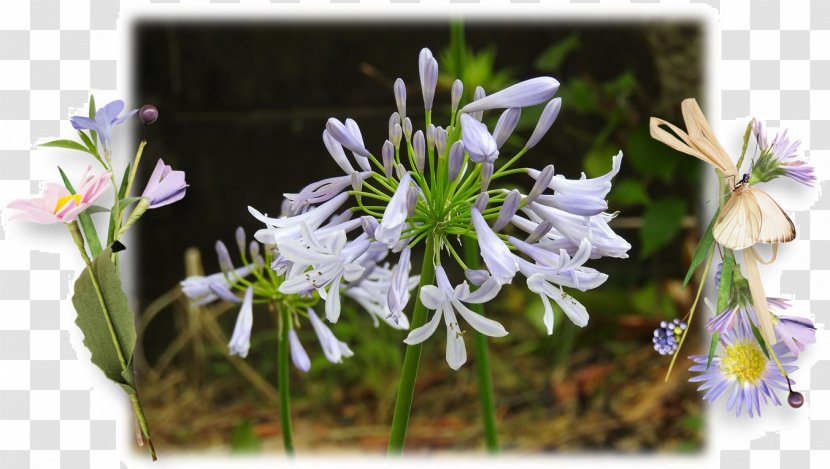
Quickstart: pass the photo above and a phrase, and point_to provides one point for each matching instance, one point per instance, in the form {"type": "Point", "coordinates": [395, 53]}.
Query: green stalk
{"type": "Point", "coordinates": [285, 391]}
{"type": "Point", "coordinates": [485, 378]}
{"type": "Point", "coordinates": [409, 372]}
{"type": "Point", "coordinates": [136, 404]}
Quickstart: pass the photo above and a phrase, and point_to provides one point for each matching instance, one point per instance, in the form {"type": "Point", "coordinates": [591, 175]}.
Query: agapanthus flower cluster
{"type": "Point", "coordinates": [440, 186]}
{"type": "Point", "coordinates": [254, 281]}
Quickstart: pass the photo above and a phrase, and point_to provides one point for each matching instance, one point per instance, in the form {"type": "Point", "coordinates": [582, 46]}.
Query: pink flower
{"type": "Point", "coordinates": [57, 204]}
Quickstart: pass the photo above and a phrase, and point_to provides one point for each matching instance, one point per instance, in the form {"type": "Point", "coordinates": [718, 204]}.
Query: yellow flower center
{"type": "Point", "coordinates": [744, 361]}
{"type": "Point", "coordinates": [65, 200]}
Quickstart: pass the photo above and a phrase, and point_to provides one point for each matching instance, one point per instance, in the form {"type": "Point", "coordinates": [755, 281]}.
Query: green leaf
{"type": "Point", "coordinates": [552, 58]}
{"type": "Point", "coordinates": [66, 181]}
{"type": "Point", "coordinates": [628, 192]}
{"type": "Point", "coordinates": [726, 278]}
{"type": "Point", "coordinates": [68, 144]}
{"type": "Point", "coordinates": [713, 345]}
{"type": "Point", "coordinates": [123, 189]}
{"type": "Point", "coordinates": [92, 133]}
{"type": "Point", "coordinates": [661, 224]}
{"type": "Point", "coordinates": [93, 209]}
{"type": "Point", "coordinates": [760, 339]}
{"type": "Point", "coordinates": [580, 96]}
{"type": "Point", "coordinates": [94, 306]}
{"type": "Point", "coordinates": [702, 250]}
{"type": "Point", "coordinates": [90, 144]}
{"type": "Point", "coordinates": [127, 202]}
{"type": "Point", "coordinates": [244, 439]}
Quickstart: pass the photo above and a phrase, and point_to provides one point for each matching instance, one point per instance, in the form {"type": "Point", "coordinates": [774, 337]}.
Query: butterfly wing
{"type": "Point", "coordinates": [704, 139]}
{"type": "Point", "coordinates": [739, 224]}
{"type": "Point", "coordinates": [776, 226]}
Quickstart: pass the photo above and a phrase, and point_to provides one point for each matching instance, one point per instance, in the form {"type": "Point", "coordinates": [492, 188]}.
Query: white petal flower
{"type": "Point", "coordinates": [334, 349]}
{"type": "Point", "coordinates": [394, 217]}
{"type": "Point", "coordinates": [298, 354]}
{"type": "Point", "coordinates": [240, 341]}
{"type": "Point", "coordinates": [446, 301]}
{"type": "Point", "coordinates": [496, 255]}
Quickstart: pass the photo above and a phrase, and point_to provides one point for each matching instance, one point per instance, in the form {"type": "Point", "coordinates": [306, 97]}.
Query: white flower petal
{"type": "Point", "coordinates": [420, 334]}
{"type": "Point", "coordinates": [478, 322]}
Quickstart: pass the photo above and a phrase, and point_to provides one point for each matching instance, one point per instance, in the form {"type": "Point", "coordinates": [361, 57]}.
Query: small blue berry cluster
{"type": "Point", "coordinates": [667, 336]}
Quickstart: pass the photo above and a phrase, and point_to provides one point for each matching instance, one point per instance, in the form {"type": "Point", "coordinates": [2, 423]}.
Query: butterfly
{"type": "Point", "coordinates": [750, 215]}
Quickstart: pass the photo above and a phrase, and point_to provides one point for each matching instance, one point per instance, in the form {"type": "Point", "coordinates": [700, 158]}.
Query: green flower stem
{"type": "Point", "coordinates": [409, 373]}
{"type": "Point", "coordinates": [284, 389]}
{"type": "Point", "coordinates": [134, 167]}
{"type": "Point", "coordinates": [485, 378]}
{"type": "Point", "coordinates": [142, 424]}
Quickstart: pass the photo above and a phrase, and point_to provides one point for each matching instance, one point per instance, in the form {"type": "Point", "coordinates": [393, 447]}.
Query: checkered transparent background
{"type": "Point", "coordinates": [774, 63]}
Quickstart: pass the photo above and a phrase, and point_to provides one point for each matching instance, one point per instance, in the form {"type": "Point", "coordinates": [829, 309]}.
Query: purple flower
{"type": "Point", "coordinates": [105, 119]}
{"type": "Point", "coordinates": [741, 369]}
{"type": "Point", "coordinates": [524, 94]}
{"type": "Point", "coordinates": [165, 186]}
{"type": "Point", "coordinates": [323, 191]}
{"type": "Point", "coordinates": [596, 187]}
{"type": "Point", "coordinates": [785, 152]}
{"type": "Point", "coordinates": [345, 135]}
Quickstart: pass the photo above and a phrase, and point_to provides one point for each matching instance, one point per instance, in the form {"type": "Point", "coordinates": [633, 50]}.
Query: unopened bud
{"type": "Point", "coordinates": [455, 94]}
{"type": "Point", "coordinates": [387, 154]}
{"type": "Point", "coordinates": [456, 159]}
{"type": "Point", "coordinates": [419, 146]}
{"type": "Point", "coordinates": [400, 96]}
{"type": "Point", "coordinates": [539, 232]}
{"type": "Point", "coordinates": [541, 183]}
{"type": "Point", "coordinates": [481, 201]}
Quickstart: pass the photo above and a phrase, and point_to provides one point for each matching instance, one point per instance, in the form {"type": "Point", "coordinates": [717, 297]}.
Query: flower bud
{"type": "Point", "coordinates": [440, 140]}
{"type": "Point", "coordinates": [486, 174]}
{"type": "Point", "coordinates": [539, 232]}
{"type": "Point", "coordinates": [396, 136]}
{"type": "Point", "coordinates": [477, 140]}
{"type": "Point", "coordinates": [369, 225]}
{"type": "Point", "coordinates": [411, 201]}
{"type": "Point", "coordinates": [148, 114]}
{"type": "Point", "coordinates": [400, 171]}
{"type": "Point", "coordinates": [224, 292]}
{"type": "Point", "coordinates": [357, 182]}
{"type": "Point", "coordinates": [527, 93]}
{"type": "Point", "coordinates": [548, 117]}
{"type": "Point", "coordinates": [541, 183]}
{"type": "Point", "coordinates": [387, 154]}
{"type": "Point", "coordinates": [240, 239]}
{"type": "Point", "coordinates": [418, 145]}
{"type": "Point", "coordinates": [481, 201]}
{"type": "Point", "coordinates": [477, 277]}
{"type": "Point", "coordinates": [430, 134]}
{"type": "Point", "coordinates": [253, 249]}
{"type": "Point", "coordinates": [456, 159]}
{"type": "Point", "coordinates": [506, 124]}
{"type": "Point", "coordinates": [362, 160]}
{"type": "Point", "coordinates": [344, 136]}
{"type": "Point", "coordinates": [224, 257]}
{"type": "Point", "coordinates": [479, 94]}
{"type": "Point", "coordinates": [508, 209]}
{"type": "Point", "coordinates": [394, 118]}
{"type": "Point", "coordinates": [428, 71]}
{"type": "Point", "coordinates": [400, 96]}
{"type": "Point", "coordinates": [455, 94]}
{"type": "Point", "coordinates": [407, 129]}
